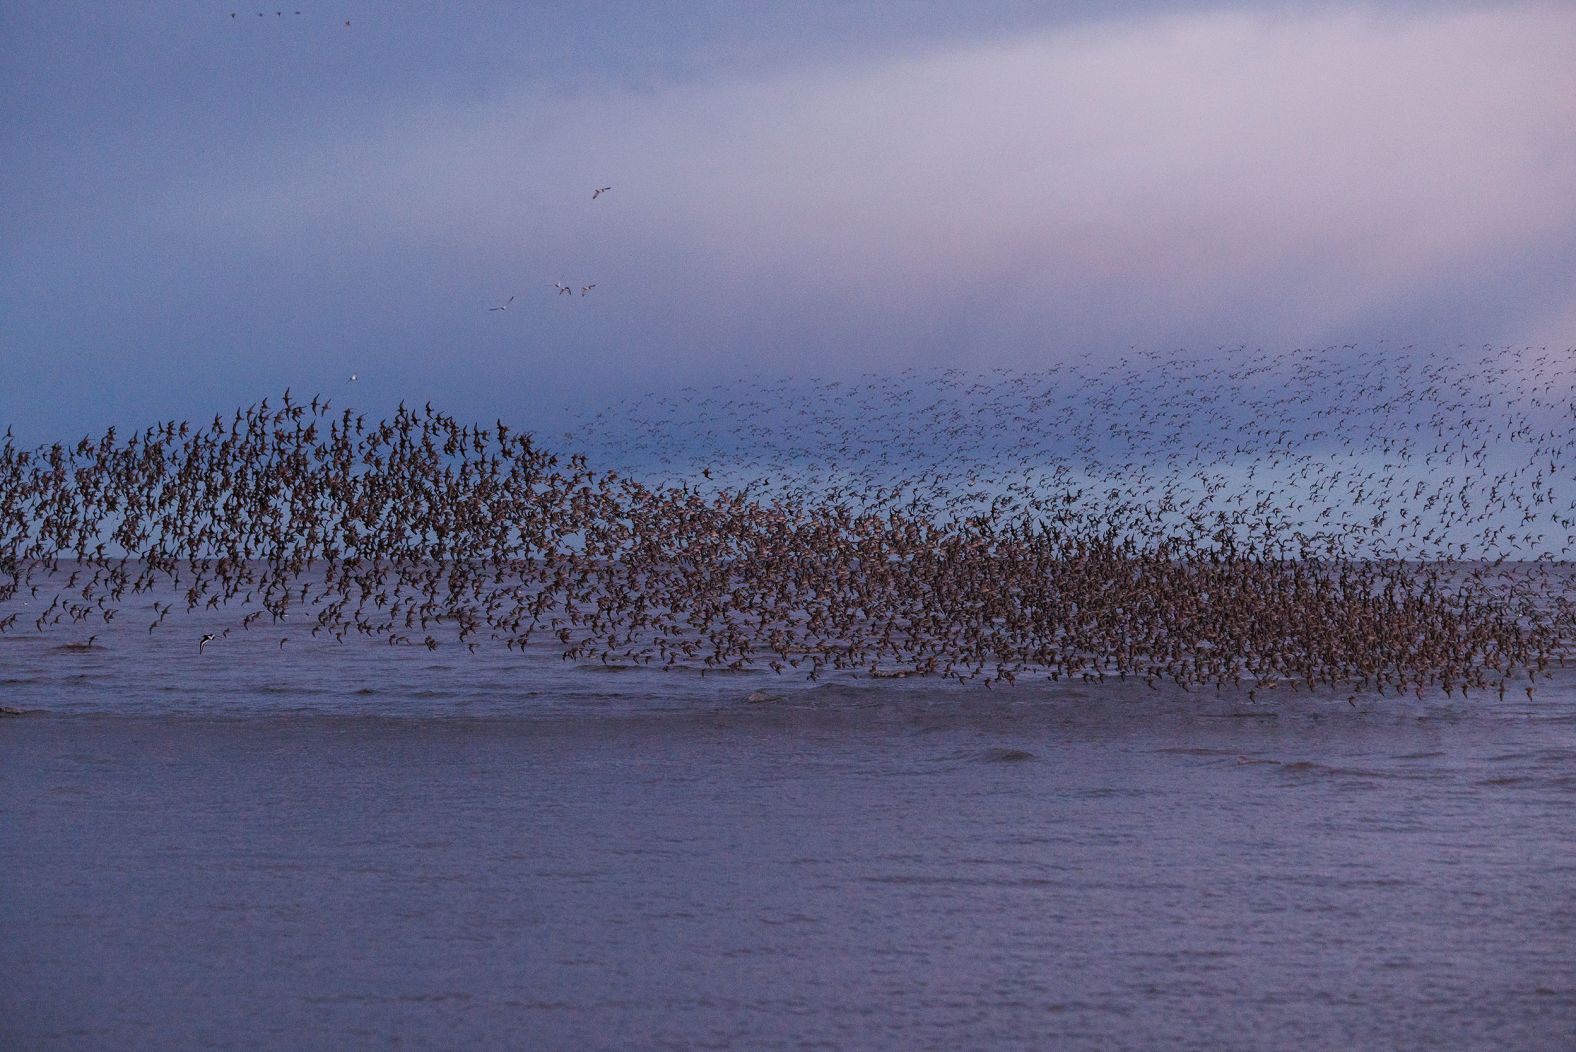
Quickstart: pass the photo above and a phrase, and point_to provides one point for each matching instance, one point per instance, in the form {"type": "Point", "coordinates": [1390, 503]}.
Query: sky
{"type": "Point", "coordinates": [198, 211]}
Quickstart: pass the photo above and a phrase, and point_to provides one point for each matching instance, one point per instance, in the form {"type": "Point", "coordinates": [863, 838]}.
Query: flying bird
{"type": "Point", "coordinates": [562, 288]}
{"type": "Point", "coordinates": [599, 191]}
{"type": "Point", "coordinates": [586, 288]}
{"type": "Point", "coordinates": [505, 306]}
{"type": "Point", "coordinates": [207, 637]}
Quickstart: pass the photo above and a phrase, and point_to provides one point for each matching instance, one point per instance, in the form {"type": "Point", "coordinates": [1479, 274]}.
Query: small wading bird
{"type": "Point", "coordinates": [586, 288]}
{"type": "Point", "coordinates": [599, 191]}
{"type": "Point", "coordinates": [562, 288]}
{"type": "Point", "coordinates": [505, 304]}
{"type": "Point", "coordinates": [207, 637]}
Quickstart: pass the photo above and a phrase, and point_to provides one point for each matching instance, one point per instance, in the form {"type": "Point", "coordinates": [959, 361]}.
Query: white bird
{"type": "Point", "coordinates": [586, 288]}
{"type": "Point", "coordinates": [505, 306]}
{"type": "Point", "coordinates": [354, 377]}
{"type": "Point", "coordinates": [599, 191]}
{"type": "Point", "coordinates": [208, 637]}
{"type": "Point", "coordinates": [562, 288]}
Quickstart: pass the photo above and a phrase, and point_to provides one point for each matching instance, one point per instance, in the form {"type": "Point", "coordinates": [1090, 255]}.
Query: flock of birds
{"type": "Point", "coordinates": [1319, 519]}
{"type": "Point", "coordinates": [277, 14]}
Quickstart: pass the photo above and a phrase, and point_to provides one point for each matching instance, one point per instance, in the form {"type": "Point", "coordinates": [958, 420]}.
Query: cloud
{"type": "Point", "coordinates": [1222, 176]}
{"type": "Point", "coordinates": [1214, 173]}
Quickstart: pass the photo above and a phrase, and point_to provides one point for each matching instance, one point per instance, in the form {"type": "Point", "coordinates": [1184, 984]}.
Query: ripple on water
{"type": "Point", "coordinates": [1003, 754]}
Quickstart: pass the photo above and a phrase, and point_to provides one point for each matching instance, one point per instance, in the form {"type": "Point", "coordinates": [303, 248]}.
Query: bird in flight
{"type": "Point", "coordinates": [599, 191]}
{"type": "Point", "coordinates": [505, 305]}
{"type": "Point", "coordinates": [586, 288]}
{"type": "Point", "coordinates": [207, 637]}
{"type": "Point", "coordinates": [562, 288]}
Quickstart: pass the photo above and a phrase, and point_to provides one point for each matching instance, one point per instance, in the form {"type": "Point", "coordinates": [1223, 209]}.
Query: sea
{"type": "Point", "coordinates": [343, 844]}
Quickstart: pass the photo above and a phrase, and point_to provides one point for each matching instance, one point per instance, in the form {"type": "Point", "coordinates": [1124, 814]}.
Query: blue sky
{"type": "Point", "coordinates": [200, 211]}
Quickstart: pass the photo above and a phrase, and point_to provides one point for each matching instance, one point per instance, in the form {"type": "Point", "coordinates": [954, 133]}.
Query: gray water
{"type": "Point", "coordinates": [352, 846]}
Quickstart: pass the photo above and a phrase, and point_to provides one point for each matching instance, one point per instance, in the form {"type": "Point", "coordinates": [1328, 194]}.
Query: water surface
{"type": "Point", "coordinates": [329, 845]}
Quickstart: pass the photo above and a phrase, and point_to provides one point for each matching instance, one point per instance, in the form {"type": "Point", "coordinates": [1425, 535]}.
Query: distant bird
{"type": "Point", "coordinates": [562, 288]}
{"type": "Point", "coordinates": [586, 288]}
{"type": "Point", "coordinates": [354, 377]}
{"type": "Point", "coordinates": [505, 306]}
{"type": "Point", "coordinates": [207, 637]}
{"type": "Point", "coordinates": [599, 191]}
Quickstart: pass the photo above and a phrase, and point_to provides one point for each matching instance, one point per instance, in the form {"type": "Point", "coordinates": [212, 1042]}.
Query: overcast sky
{"type": "Point", "coordinates": [200, 210]}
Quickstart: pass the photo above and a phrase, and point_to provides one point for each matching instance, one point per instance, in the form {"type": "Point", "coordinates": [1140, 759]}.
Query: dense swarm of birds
{"type": "Point", "coordinates": [1317, 519]}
